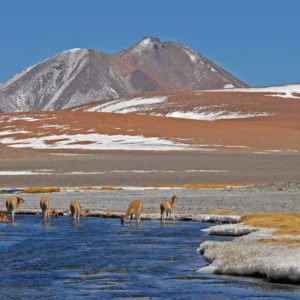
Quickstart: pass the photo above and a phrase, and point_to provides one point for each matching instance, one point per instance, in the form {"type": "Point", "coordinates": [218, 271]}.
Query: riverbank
{"type": "Point", "coordinates": [240, 200]}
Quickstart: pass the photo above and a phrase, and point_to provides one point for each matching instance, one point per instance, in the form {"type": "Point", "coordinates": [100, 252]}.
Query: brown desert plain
{"type": "Point", "coordinates": [246, 150]}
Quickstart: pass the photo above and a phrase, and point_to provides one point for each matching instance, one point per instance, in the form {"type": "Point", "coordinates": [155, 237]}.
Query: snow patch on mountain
{"type": "Point", "coordinates": [229, 86]}
{"type": "Point", "coordinates": [125, 105]}
{"type": "Point", "coordinates": [76, 60]}
{"type": "Point", "coordinates": [284, 91]}
{"type": "Point", "coordinates": [213, 115]}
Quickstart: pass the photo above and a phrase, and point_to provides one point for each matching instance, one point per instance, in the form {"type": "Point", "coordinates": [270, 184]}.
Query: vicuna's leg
{"type": "Point", "coordinates": [170, 214]}
{"type": "Point", "coordinates": [138, 218]}
{"type": "Point", "coordinates": [13, 216]}
{"type": "Point", "coordinates": [131, 218]}
{"type": "Point", "coordinates": [73, 217]}
{"type": "Point", "coordinates": [161, 213]}
{"type": "Point", "coordinates": [48, 213]}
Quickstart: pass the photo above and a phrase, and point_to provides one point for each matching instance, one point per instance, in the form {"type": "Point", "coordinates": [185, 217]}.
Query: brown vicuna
{"type": "Point", "coordinates": [3, 218]}
{"type": "Point", "coordinates": [12, 203]}
{"type": "Point", "coordinates": [76, 210]}
{"type": "Point", "coordinates": [45, 204]}
{"type": "Point", "coordinates": [135, 207]}
{"type": "Point", "coordinates": [166, 207]}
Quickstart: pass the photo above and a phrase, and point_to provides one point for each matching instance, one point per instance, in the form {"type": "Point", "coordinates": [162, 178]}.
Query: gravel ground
{"type": "Point", "coordinates": [136, 169]}
{"type": "Point", "coordinates": [272, 197]}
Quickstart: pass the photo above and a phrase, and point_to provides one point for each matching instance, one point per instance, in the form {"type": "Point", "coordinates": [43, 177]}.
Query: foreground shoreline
{"type": "Point", "coordinates": [254, 252]}
{"type": "Point", "coordinates": [208, 218]}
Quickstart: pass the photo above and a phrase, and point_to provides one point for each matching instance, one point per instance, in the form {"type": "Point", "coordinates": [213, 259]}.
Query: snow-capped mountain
{"type": "Point", "coordinates": [78, 76]}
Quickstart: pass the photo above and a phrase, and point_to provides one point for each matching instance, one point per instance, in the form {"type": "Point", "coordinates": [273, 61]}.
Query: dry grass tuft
{"type": "Point", "coordinates": [197, 186]}
{"type": "Point", "coordinates": [37, 190]}
{"type": "Point", "coordinates": [283, 223]}
{"type": "Point", "coordinates": [221, 212]}
{"type": "Point", "coordinates": [110, 188]}
{"type": "Point", "coordinates": [87, 188]}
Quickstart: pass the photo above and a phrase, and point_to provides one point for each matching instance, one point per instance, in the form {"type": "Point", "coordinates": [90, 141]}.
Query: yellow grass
{"type": "Point", "coordinates": [221, 212]}
{"type": "Point", "coordinates": [283, 223]}
{"type": "Point", "coordinates": [198, 186]}
{"type": "Point", "coordinates": [110, 188]}
{"type": "Point", "coordinates": [37, 190]}
{"type": "Point", "coordinates": [280, 240]}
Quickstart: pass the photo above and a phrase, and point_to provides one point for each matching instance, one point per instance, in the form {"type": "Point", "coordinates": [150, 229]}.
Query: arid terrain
{"type": "Point", "coordinates": [219, 122]}
{"type": "Point", "coordinates": [235, 137]}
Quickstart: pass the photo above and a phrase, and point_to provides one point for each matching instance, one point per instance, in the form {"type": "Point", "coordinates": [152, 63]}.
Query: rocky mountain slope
{"type": "Point", "coordinates": [78, 76]}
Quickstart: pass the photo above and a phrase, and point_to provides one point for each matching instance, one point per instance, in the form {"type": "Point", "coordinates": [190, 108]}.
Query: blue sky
{"type": "Point", "coordinates": [256, 40]}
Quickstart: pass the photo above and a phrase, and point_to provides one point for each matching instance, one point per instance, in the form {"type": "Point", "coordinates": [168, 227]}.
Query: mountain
{"type": "Point", "coordinates": [78, 76]}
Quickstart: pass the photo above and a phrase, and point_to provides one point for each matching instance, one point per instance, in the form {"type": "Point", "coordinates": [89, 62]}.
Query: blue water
{"type": "Point", "coordinates": [100, 259]}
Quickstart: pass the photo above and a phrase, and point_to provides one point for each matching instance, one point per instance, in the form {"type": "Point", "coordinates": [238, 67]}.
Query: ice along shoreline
{"type": "Point", "coordinates": [256, 251]}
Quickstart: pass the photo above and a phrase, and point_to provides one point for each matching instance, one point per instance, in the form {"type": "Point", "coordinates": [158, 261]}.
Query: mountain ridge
{"type": "Point", "coordinates": [80, 75]}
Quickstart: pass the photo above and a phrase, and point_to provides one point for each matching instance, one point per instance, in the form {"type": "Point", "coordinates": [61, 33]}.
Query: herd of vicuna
{"type": "Point", "coordinates": [134, 208]}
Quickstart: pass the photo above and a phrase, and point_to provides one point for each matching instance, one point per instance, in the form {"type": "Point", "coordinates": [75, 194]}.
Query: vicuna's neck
{"type": "Point", "coordinates": [173, 202]}
{"type": "Point", "coordinates": [18, 203]}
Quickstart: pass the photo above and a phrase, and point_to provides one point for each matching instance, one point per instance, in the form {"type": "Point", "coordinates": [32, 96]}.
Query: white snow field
{"type": "Point", "coordinates": [99, 142]}
{"type": "Point", "coordinates": [284, 91]}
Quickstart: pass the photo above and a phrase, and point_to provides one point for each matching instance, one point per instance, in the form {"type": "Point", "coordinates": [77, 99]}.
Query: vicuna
{"type": "Point", "coordinates": [12, 203]}
{"type": "Point", "coordinates": [45, 204]}
{"type": "Point", "coordinates": [135, 207]}
{"type": "Point", "coordinates": [166, 207]}
{"type": "Point", "coordinates": [76, 210]}
{"type": "Point", "coordinates": [3, 218]}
